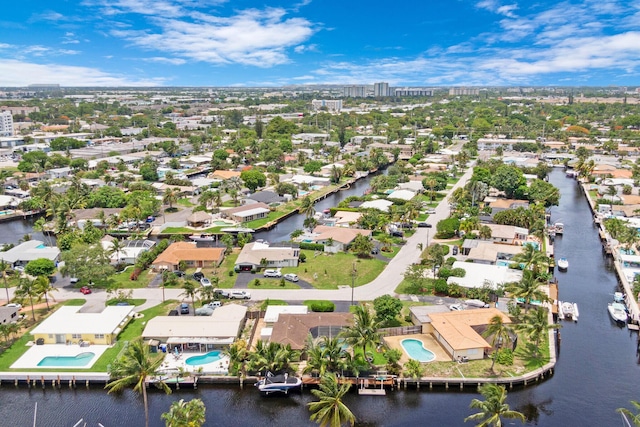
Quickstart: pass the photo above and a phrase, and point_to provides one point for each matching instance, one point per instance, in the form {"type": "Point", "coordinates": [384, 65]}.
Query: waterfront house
{"type": "Point", "coordinates": [380, 204]}
{"type": "Point", "coordinates": [274, 256]}
{"type": "Point", "coordinates": [460, 332]}
{"type": "Point", "coordinates": [28, 251]}
{"type": "Point", "coordinates": [479, 275]}
{"type": "Point", "coordinates": [273, 313]}
{"type": "Point", "coordinates": [199, 219]}
{"type": "Point", "coordinates": [198, 333]}
{"type": "Point", "coordinates": [190, 254]}
{"type": "Point", "coordinates": [486, 252]}
{"type": "Point", "coordinates": [499, 204]}
{"type": "Point", "coordinates": [345, 218]}
{"type": "Point", "coordinates": [247, 213]}
{"type": "Point", "coordinates": [402, 195]}
{"type": "Point", "coordinates": [267, 197]}
{"type": "Point", "coordinates": [340, 237]}
{"type": "Point", "coordinates": [70, 325]}
{"type": "Point", "coordinates": [293, 329]}
{"type": "Point", "coordinates": [130, 252]}
{"type": "Point", "coordinates": [508, 234]}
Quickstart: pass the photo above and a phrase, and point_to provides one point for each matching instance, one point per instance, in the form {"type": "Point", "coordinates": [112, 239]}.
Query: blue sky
{"type": "Point", "coordinates": [277, 42]}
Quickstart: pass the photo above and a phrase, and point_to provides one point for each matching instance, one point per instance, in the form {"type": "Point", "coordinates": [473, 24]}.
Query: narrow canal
{"type": "Point", "coordinates": [597, 370]}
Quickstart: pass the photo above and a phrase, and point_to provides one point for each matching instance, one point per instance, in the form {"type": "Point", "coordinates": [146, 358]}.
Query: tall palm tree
{"type": "Point", "coordinates": [307, 207]}
{"type": "Point", "coordinates": [170, 197]}
{"type": "Point", "coordinates": [117, 246]}
{"type": "Point", "coordinates": [364, 330]}
{"type": "Point", "coordinates": [4, 267]}
{"type": "Point", "coordinates": [25, 289]}
{"type": "Point", "coordinates": [185, 414]}
{"type": "Point", "coordinates": [135, 366]}
{"type": "Point", "coordinates": [190, 290]}
{"type": "Point", "coordinates": [42, 287]}
{"type": "Point", "coordinates": [500, 333]}
{"type": "Point", "coordinates": [330, 410]}
{"type": "Point", "coordinates": [493, 408]}
{"type": "Point", "coordinates": [635, 418]}
{"type": "Point", "coordinates": [532, 258]}
{"type": "Point", "coordinates": [528, 289]}
{"type": "Point", "coordinates": [535, 325]}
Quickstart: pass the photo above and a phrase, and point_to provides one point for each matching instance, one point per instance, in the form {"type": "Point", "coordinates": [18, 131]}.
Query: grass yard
{"type": "Point", "coordinates": [186, 203]}
{"type": "Point", "coordinates": [122, 280]}
{"type": "Point", "coordinates": [132, 301]}
{"type": "Point", "coordinates": [266, 283]}
{"type": "Point", "coordinates": [328, 271]}
{"type": "Point", "coordinates": [76, 302]}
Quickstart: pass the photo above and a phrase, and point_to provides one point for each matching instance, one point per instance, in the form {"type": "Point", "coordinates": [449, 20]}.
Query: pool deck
{"type": "Point", "coordinates": [175, 364]}
{"type": "Point", "coordinates": [36, 353]}
{"type": "Point", "coordinates": [428, 341]}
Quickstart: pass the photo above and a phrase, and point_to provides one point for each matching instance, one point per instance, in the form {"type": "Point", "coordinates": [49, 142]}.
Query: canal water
{"type": "Point", "coordinates": [597, 369]}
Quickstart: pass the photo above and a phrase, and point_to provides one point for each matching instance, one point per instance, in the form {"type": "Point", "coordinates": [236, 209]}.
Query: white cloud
{"type": "Point", "coordinates": [305, 48]}
{"type": "Point", "coordinates": [251, 37]}
{"type": "Point", "coordinates": [18, 73]}
{"type": "Point", "coordinates": [173, 61]}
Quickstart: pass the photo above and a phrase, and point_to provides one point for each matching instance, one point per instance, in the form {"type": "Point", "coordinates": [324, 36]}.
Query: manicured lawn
{"type": "Point", "coordinates": [328, 271]}
{"type": "Point", "coordinates": [269, 302]}
{"type": "Point", "coordinates": [227, 265]}
{"type": "Point", "coordinates": [394, 251]}
{"type": "Point", "coordinates": [271, 217]}
{"type": "Point", "coordinates": [185, 202]}
{"type": "Point", "coordinates": [272, 284]}
{"type": "Point", "coordinates": [132, 301]}
{"type": "Point", "coordinates": [13, 353]}
{"type": "Point", "coordinates": [122, 280]}
{"type": "Point", "coordinates": [76, 302]}
{"type": "Point", "coordinates": [404, 287]}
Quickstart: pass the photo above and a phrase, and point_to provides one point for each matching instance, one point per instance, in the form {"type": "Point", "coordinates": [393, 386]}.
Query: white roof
{"type": "Point", "coordinates": [250, 212]}
{"type": "Point", "coordinates": [30, 250]}
{"type": "Point", "coordinates": [380, 204]}
{"type": "Point", "coordinates": [274, 311]}
{"type": "Point", "coordinates": [402, 195]}
{"type": "Point", "coordinates": [69, 320]}
{"type": "Point", "coordinates": [478, 274]}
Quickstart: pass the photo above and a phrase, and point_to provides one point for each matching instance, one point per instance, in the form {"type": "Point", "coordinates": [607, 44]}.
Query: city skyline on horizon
{"type": "Point", "coordinates": [213, 43]}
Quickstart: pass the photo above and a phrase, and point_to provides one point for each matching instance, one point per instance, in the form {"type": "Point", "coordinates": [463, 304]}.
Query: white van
{"type": "Point", "coordinates": [239, 295]}
{"type": "Point", "coordinates": [272, 273]}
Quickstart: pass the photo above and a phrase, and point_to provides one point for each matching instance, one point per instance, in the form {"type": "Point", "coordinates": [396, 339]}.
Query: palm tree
{"type": "Point", "coordinates": [117, 246]}
{"type": "Point", "coordinates": [528, 289]}
{"type": "Point", "coordinates": [535, 325]}
{"type": "Point", "coordinates": [307, 207]}
{"type": "Point", "coordinates": [4, 266]}
{"type": "Point", "coordinates": [42, 287]}
{"type": "Point", "coordinates": [135, 367]}
{"type": "Point", "coordinates": [25, 289]}
{"type": "Point", "coordinates": [170, 197]}
{"type": "Point", "coordinates": [330, 410]}
{"type": "Point", "coordinates": [532, 258]}
{"type": "Point", "coordinates": [500, 334]}
{"type": "Point", "coordinates": [364, 330]}
{"type": "Point", "coordinates": [190, 290]}
{"type": "Point", "coordinates": [493, 408]}
{"type": "Point", "coordinates": [185, 414]}
{"type": "Point", "coordinates": [635, 418]}
{"type": "Point", "coordinates": [413, 369]}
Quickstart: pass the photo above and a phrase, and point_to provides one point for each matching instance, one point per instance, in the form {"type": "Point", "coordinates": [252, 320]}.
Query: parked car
{"type": "Point", "coordinates": [456, 307]}
{"type": "Point", "coordinates": [222, 292]}
{"type": "Point", "coordinates": [476, 303]}
{"type": "Point", "coordinates": [405, 225]}
{"type": "Point", "coordinates": [291, 277]}
{"type": "Point", "coordinates": [454, 250]}
{"type": "Point", "coordinates": [74, 280]}
{"type": "Point", "coordinates": [375, 251]}
{"type": "Point", "coordinates": [179, 273]}
{"type": "Point", "coordinates": [214, 304]}
{"type": "Point", "coordinates": [430, 211]}
{"type": "Point", "coordinates": [272, 273]}
{"type": "Point", "coordinates": [184, 308]}
{"type": "Point", "coordinates": [19, 268]}
{"type": "Point", "coordinates": [151, 218]}
{"type": "Point", "coordinates": [173, 313]}
{"type": "Point", "coordinates": [198, 275]}
{"type": "Point", "coordinates": [239, 295]}
{"type": "Point", "coordinates": [122, 304]}
{"type": "Point", "coordinates": [15, 304]}
{"type": "Point", "coordinates": [85, 290]}
{"type": "Point", "coordinates": [397, 234]}
{"type": "Point", "coordinates": [424, 225]}
{"type": "Point", "coordinates": [205, 282]}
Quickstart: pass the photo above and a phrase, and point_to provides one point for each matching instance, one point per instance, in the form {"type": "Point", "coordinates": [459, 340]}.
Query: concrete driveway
{"type": "Point", "coordinates": [243, 279]}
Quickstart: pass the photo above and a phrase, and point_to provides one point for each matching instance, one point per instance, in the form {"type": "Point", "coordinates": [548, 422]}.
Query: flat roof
{"type": "Point", "coordinates": [274, 311]}
{"type": "Point", "coordinates": [69, 320]}
{"type": "Point", "coordinates": [477, 274]}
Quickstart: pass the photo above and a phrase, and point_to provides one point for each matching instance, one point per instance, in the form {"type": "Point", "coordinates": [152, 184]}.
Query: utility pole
{"type": "Point", "coordinates": [354, 272]}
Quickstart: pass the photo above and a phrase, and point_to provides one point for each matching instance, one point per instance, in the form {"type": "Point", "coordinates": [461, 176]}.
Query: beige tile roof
{"type": "Point", "coordinates": [188, 251]}
{"type": "Point", "coordinates": [339, 234]}
{"type": "Point", "coordinates": [456, 327]}
{"type": "Point", "coordinates": [293, 329]}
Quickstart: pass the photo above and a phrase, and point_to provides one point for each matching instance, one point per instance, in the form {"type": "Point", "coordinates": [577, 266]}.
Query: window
{"type": "Point", "coordinates": [99, 336]}
{"type": "Point", "coordinates": [76, 336]}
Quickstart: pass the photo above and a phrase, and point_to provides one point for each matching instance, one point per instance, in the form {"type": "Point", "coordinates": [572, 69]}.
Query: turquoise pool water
{"type": "Point", "coordinates": [81, 359]}
{"type": "Point", "coordinates": [415, 349]}
{"type": "Point", "coordinates": [212, 356]}
{"type": "Point", "coordinates": [222, 224]}
{"type": "Point", "coordinates": [624, 251]}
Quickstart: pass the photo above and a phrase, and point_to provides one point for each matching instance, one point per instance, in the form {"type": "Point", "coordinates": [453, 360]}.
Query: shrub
{"type": "Point", "coordinates": [440, 286]}
{"type": "Point", "coordinates": [303, 257]}
{"type": "Point", "coordinates": [230, 273]}
{"type": "Point", "coordinates": [320, 306]}
{"type": "Point", "coordinates": [504, 356]}
{"type": "Point", "coordinates": [458, 272]}
{"type": "Point", "coordinates": [312, 246]}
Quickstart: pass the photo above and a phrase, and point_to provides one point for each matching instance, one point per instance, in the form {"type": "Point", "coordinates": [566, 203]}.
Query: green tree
{"type": "Point", "coordinates": [493, 408]}
{"type": "Point", "coordinates": [413, 369]}
{"type": "Point", "coordinates": [170, 197]}
{"type": "Point", "coordinates": [40, 267]}
{"type": "Point", "coordinates": [89, 263]}
{"type": "Point", "coordinates": [135, 367]}
{"type": "Point", "coordinates": [500, 333]}
{"type": "Point", "coordinates": [190, 290]}
{"type": "Point", "coordinates": [508, 179]}
{"type": "Point", "coordinates": [312, 167]}
{"type": "Point", "coordinates": [307, 207]}
{"type": "Point", "coordinates": [26, 289]}
{"type": "Point", "coordinates": [253, 179]}
{"type": "Point", "coordinates": [42, 287]}
{"type": "Point", "coordinates": [364, 331]}
{"type": "Point", "coordinates": [535, 326]}
{"type": "Point", "coordinates": [330, 410]}
{"type": "Point", "coordinates": [361, 246]}
{"type": "Point", "coordinates": [185, 414]}
{"type": "Point", "coordinates": [387, 309]}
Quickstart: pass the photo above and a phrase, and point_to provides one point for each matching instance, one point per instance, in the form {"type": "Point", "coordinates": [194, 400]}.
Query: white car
{"type": "Point", "coordinates": [456, 307]}
{"type": "Point", "coordinates": [19, 268]}
{"type": "Point", "coordinates": [74, 280]}
{"type": "Point", "coordinates": [14, 304]}
{"type": "Point", "coordinates": [291, 277]}
{"type": "Point", "coordinates": [239, 295]}
{"type": "Point", "coordinates": [205, 282]}
{"type": "Point", "coordinates": [430, 211]}
{"type": "Point", "coordinates": [476, 303]}
{"type": "Point", "coordinates": [272, 273]}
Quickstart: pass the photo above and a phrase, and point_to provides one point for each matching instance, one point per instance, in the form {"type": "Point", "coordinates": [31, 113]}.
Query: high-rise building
{"type": "Point", "coordinates": [6, 123]}
{"type": "Point", "coordinates": [329, 104]}
{"type": "Point", "coordinates": [464, 91]}
{"type": "Point", "coordinates": [381, 89]}
{"type": "Point", "coordinates": [354, 91]}
{"type": "Point", "coordinates": [413, 91]}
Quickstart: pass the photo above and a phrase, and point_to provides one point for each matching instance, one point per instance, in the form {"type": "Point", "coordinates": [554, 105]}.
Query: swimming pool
{"type": "Point", "coordinates": [415, 350]}
{"type": "Point", "coordinates": [203, 359]}
{"type": "Point", "coordinates": [79, 360]}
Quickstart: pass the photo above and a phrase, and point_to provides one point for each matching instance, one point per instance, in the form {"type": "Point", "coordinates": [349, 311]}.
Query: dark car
{"type": "Point", "coordinates": [198, 276]}
{"type": "Point", "coordinates": [454, 250]}
{"type": "Point", "coordinates": [375, 251]}
{"type": "Point", "coordinates": [184, 308]}
{"type": "Point", "coordinates": [424, 225]}
{"type": "Point", "coordinates": [179, 273]}
{"type": "Point", "coordinates": [406, 225]}
{"type": "Point", "coordinates": [173, 313]}
{"type": "Point", "coordinates": [397, 234]}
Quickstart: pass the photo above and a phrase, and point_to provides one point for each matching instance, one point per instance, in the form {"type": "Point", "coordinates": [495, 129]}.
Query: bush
{"type": "Point", "coordinates": [230, 273]}
{"type": "Point", "coordinates": [303, 257]}
{"type": "Point", "coordinates": [312, 246]}
{"type": "Point", "coordinates": [440, 286]}
{"type": "Point", "coordinates": [458, 272]}
{"type": "Point", "coordinates": [504, 356]}
{"type": "Point", "coordinates": [320, 306]}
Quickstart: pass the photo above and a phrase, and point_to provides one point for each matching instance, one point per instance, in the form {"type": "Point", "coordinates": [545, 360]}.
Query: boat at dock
{"type": "Point", "coordinates": [237, 230]}
{"type": "Point", "coordinates": [205, 237]}
{"type": "Point", "coordinates": [568, 310]}
{"type": "Point", "coordinates": [278, 383]}
{"type": "Point", "coordinates": [618, 312]}
{"type": "Point", "coordinates": [563, 264]}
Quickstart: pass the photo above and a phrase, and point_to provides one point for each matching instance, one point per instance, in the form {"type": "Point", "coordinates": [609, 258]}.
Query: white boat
{"type": "Point", "coordinates": [569, 310]}
{"type": "Point", "coordinates": [618, 312]}
{"type": "Point", "coordinates": [559, 227]}
{"type": "Point", "coordinates": [563, 263]}
{"type": "Point", "coordinates": [618, 297]}
{"type": "Point", "coordinates": [237, 230]}
{"type": "Point", "coordinates": [278, 383]}
{"type": "Point", "coordinates": [206, 237]}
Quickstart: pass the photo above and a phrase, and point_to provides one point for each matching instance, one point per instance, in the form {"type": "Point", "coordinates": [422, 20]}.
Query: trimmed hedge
{"type": "Point", "coordinates": [312, 246]}
{"type": "Point", "coordinates": [320, 306]}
